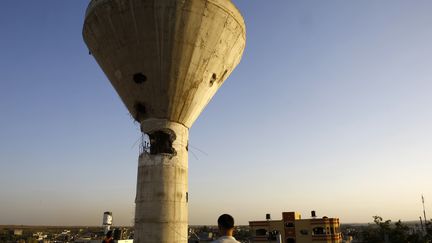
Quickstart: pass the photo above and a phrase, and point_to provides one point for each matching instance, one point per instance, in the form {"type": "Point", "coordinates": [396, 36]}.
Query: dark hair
{"type": "Point", "coordinates": [109, 234]}
{"type": "Point", "coordinates": [226, 221]}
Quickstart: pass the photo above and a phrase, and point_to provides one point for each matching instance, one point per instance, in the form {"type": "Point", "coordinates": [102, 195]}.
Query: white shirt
{"type": "Point", "coordinates": [225, 239]}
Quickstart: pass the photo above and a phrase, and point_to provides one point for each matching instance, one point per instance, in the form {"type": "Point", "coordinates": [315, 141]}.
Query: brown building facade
{"type": "Point", "coordinates": [293, 229]}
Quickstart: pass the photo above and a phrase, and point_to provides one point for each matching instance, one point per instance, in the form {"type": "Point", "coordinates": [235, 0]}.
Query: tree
{"type": "Point", "coordinates": [400, 233]}
{"type": "Point", "coordinates": [428, 226]}
{"type": "Point", "coordinates": [384, 231]}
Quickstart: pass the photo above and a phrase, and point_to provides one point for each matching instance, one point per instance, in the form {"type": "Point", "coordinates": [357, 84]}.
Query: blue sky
{"type": "Point", "coordinates": [329, 110]}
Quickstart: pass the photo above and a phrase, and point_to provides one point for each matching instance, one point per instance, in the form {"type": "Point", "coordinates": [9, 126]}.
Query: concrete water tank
{"type": "Point", "coordinates": [166, 59]}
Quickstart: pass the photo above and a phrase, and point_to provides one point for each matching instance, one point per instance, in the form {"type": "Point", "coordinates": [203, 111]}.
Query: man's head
{"type": "Point", "coordinates": [109, 234]}
{"type": "Point", "coordinates": [226, 223]}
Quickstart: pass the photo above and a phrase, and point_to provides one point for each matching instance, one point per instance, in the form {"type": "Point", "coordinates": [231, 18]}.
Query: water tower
{"type": "Point", "coordinates": [166, 59]}
{"type": "Point", "coordinates": [107, 221]}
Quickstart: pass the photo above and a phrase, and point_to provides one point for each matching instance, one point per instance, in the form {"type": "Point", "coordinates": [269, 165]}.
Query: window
{"type": "Point", "coordinates": [289, 224]}
{"type": "Point", "coordinates": [273, 235]}
{"type": "Point", "coordinates": [260, 232]}
{"type": "Point", "coordinates": [319, 231]}
{"type": "Point", "coordinates": [290, 240]}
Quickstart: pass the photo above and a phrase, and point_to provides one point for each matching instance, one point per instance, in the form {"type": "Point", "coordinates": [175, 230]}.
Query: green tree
{"type": "Point", "coordinates": [428, 226]}
{"type": "Point", "coordinates": [383, 231]}
{"type": "Point", "coordinates": [400, 233]}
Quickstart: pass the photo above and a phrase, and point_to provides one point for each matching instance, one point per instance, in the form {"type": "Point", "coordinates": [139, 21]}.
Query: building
{"type": "Point", "coordinates": [18, 232]}
{"type": "Point", "coordinates": [293, 229]}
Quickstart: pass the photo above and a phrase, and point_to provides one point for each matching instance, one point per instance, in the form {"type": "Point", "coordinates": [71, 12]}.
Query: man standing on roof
{"type": "Point", "coordinates": [226, 229]}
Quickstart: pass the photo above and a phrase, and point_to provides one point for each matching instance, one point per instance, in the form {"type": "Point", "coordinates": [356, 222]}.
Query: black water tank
{"type": "Point", "coordinates": [313, 214]}
{"type": "Point", "coordinates": [268, 216]}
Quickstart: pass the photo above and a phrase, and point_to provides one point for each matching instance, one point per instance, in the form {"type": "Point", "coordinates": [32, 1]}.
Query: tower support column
{"type": "Point", "coordinates": [161, 214]}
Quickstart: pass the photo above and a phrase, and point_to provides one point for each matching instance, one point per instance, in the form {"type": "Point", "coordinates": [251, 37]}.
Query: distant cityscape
{"type": "Point", "coordinates": [291, 228]}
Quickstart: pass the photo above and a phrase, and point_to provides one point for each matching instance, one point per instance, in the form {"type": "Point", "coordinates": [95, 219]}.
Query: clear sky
{"type": "Point", "coordinates": [329, 110]}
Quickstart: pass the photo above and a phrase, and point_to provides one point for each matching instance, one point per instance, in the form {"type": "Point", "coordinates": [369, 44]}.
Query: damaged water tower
{"type": "Point", "coordinates": [166, 59]}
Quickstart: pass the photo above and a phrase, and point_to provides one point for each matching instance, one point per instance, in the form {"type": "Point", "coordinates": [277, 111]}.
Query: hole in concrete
{"type": "Point", "coordinates": [145, 144]}
{"type": "Point", "coordinates": [161, 142]}
{"type": "Point", "coordinates": [223, 75]}
{"type": "Point", "coordinates": [140, 111]}
{"type": "Point", "coordinates": [139, 78]}
{"type": "Point", "coordinates": [213, 79]}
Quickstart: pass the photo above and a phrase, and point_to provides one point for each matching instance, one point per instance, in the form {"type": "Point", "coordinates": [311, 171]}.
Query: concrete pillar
{"type": "Point", "coordinates": [161, 214]}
